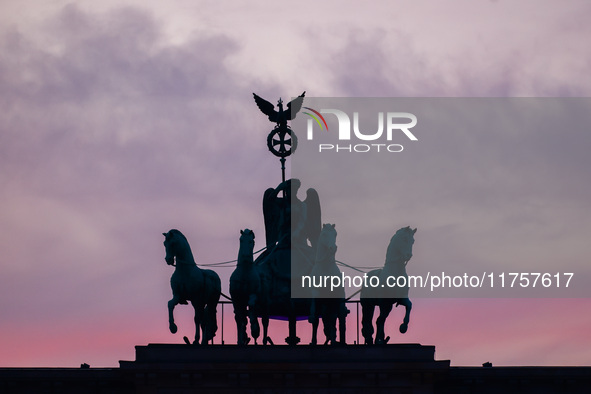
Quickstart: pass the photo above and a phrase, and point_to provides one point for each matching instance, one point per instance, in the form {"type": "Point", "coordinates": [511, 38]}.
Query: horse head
{"type": "Point", "coordinates": [400, 247]}
{"type": "Point", "coordinates": [247, 237]}
{"type": "Point", "coordinates": [327, 243]}
{"type": "Point", "coordinates": [246, 246]}
{"type": "Point", "coordinates": [175, 245]}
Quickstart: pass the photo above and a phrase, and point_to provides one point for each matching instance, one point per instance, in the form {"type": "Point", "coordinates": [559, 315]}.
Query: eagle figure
{"type": "Point", "coordinates": [280, 116]}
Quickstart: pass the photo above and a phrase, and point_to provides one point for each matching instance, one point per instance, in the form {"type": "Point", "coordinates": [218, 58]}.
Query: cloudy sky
{"type": "Point", "coordinates": [124, 119]}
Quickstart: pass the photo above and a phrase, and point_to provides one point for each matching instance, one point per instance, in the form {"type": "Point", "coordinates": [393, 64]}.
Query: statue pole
{"type": "Point", "coordinates": [282, 160]}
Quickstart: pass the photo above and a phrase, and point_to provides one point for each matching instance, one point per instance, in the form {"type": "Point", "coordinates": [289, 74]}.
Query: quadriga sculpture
{"type": "Point", "coordinates": [398, 254]}
{"type": "Point", "coordinates": [327, 304]}
{"type": "Point", "coordinates": [245, 290]}
{"type": "Point", "coordinates": [190, 283]}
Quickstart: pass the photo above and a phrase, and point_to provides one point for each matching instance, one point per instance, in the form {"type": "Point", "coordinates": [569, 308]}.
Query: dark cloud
{"type": "Point", "coordinates": [104, 105]}
{"type": "Point", "coordinates": [392, 63]}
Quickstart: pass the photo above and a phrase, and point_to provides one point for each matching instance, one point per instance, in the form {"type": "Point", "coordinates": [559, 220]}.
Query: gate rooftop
{"type": "Point", "coordinates": [349, 354]}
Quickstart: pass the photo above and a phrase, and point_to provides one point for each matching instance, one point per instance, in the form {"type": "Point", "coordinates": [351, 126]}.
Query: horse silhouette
{"type": "Point", "coordinates": [190, 283]}
{"type": "Point", "coordinates": [245, 291]}
{"type": "Point", "coordinates": [397, 256]}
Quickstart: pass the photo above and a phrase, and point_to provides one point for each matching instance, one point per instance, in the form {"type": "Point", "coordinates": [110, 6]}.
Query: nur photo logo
{"type": "Point", "coordinates": [390, 124]}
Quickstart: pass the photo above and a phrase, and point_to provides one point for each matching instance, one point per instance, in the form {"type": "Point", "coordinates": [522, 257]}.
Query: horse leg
{"type": "Point", "coordinates": [209, 322]}
{"type": "Point", "coordinates": [385, 308]}
{"type": "Point", "coordinates": [343, 312]}
{"type": "Point", "coordinates": [315, 324]}
{"type": "Point", "coordinates": [292, 339]}
{"type": "Point", "coordinates": [240, 318]}
{"type": "Point", "coordinates": [313, 319]}
{"type": "Point", "coordinates": [408, 307]}
{"type": "Point", "coordinates": [266, 338]}
{"type": "Point", "coordinates": [171, 304]}
{"type": "Point", "coordinates": [198, 326]}
{"type": "Point", "coordinates": [367, 311]}
{"type": "Point", "coordinates": [327, 324]}
{"type": "Point", "coordinates": [255, 329]}
{"type": "Point", "coordinates": [329, 320]}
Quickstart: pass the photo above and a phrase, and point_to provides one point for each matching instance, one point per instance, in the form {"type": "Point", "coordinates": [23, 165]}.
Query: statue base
{"type": "Point", "coordinates": [349, 368]}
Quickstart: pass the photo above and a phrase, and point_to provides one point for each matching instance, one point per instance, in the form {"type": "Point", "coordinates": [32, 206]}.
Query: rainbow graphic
{"type": "Point", "coordinates": [315, 116]}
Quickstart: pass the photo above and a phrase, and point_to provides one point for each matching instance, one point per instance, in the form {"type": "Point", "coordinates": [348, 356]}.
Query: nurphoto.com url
{"type": "Point", "coordinates": [442, 280]}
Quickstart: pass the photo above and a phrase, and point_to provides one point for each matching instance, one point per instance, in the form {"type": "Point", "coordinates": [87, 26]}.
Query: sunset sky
{"type": "Point", "coordinates": [124, 119]}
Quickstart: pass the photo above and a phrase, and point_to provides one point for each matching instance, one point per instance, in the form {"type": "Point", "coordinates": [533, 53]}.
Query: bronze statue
{"type": "Point", "coordinates": [245, 290]}
{"type": "Point", "coordinates": [190, 283]}
{"type": "Point", "coordinates": [292, 229]}
{"type": "Point", "coordinates": [398, 254]}
{"type": "Point", "coordinates": [279, 214]}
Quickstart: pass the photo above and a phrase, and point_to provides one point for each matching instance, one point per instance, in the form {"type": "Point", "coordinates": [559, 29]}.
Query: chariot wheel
{"type": "Point", "coordinates": [282, 141]}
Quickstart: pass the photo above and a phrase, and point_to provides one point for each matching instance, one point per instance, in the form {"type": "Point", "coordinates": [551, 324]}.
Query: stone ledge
{"type": "Point", "coordinates": [167, 353]}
